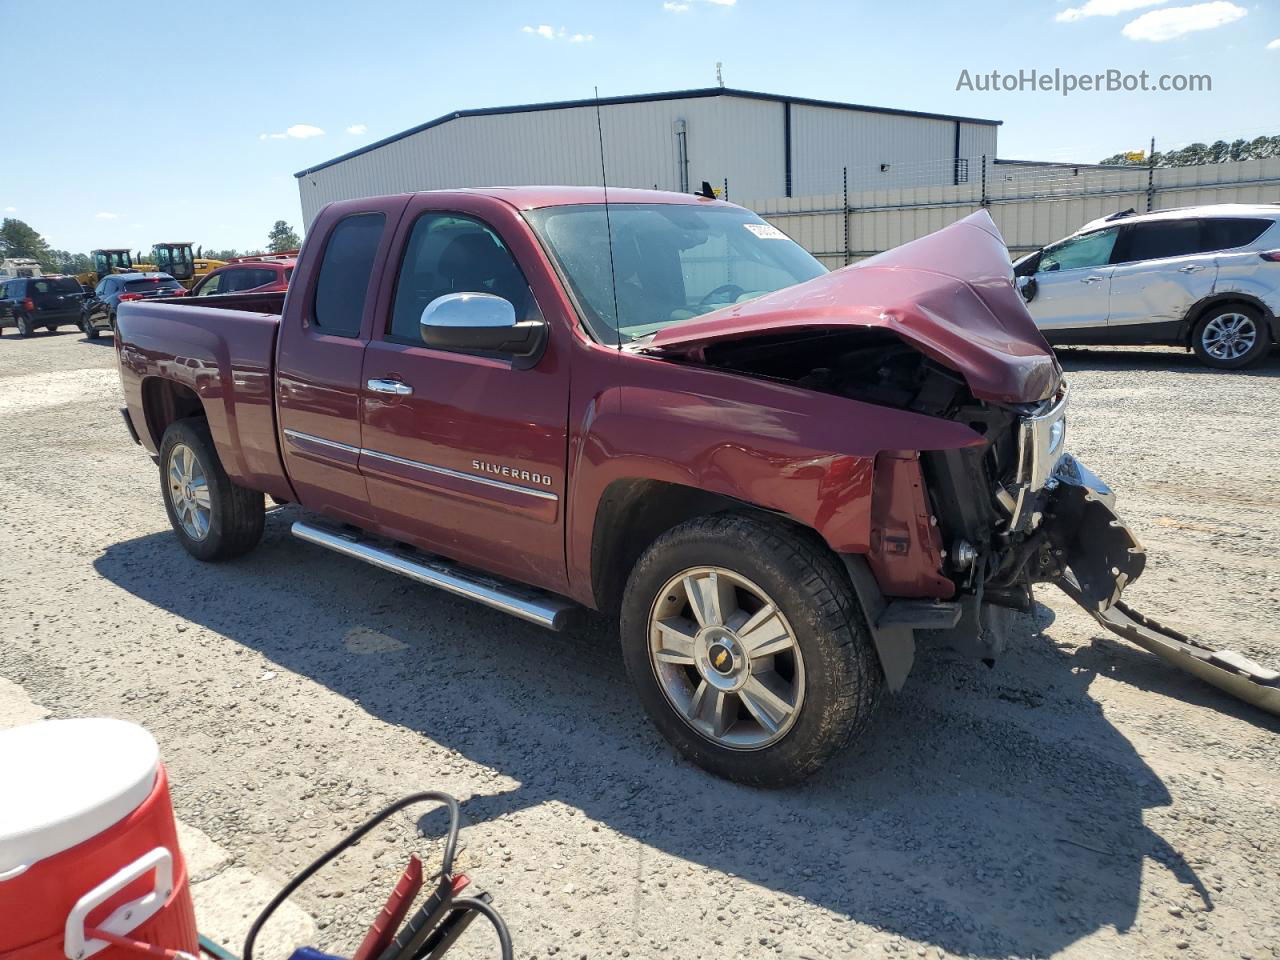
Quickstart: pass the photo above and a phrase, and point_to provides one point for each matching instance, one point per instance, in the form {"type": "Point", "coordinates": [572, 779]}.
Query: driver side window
{"type": "Point", "coordinates": [449, 253]}
{"type": "Point", "coordinates": [1090, 250]}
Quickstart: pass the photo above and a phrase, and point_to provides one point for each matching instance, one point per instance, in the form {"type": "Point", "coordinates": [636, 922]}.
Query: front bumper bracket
{"type": "Point", "coordinates": [1097, 556]}
{"type": "Point", "coordinates": [1225, 669]}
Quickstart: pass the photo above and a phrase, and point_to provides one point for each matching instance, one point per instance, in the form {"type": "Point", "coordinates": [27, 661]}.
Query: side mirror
{"type": "Point", "coordinates": [481, 322]}
{"type": "Point", "coordinates": [1027, 286]}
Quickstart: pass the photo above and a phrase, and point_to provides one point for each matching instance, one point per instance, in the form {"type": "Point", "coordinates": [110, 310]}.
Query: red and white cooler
{"type": "Point", "coordinates": [88, 844]}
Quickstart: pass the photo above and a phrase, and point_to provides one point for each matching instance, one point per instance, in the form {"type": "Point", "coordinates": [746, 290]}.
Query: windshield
{"type": "Point", "coordinates": [672, 262]}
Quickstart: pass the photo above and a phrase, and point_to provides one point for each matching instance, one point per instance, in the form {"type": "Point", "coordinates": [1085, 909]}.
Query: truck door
{"type": "Point", "coordinates": [464, 454]}
{"type": "Point", "coordinates": [321, 352]}
{"type": "Point", "coordinates": [1160, 271]}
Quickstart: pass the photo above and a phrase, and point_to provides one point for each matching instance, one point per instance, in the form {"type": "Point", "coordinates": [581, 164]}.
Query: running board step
{"type": "Point", "coordinates": [527, 603]}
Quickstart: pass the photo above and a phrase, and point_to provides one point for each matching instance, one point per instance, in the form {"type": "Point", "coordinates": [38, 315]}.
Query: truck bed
{"type": "Point", "coordinates": [219, 351]}
{"type": "Point", "coordinates": [266, 303]}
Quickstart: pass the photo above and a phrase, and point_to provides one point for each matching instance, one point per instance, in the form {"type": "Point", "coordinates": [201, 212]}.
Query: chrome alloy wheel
{"type": "Point", "coordinates": [189, 491]}
{"type": "Point", "coordinates": [1229, 336]}
{"type": "Point", "coordinates": [726, 658]}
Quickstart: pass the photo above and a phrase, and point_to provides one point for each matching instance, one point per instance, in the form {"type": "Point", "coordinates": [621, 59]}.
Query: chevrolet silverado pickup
{"type": "Point", "coordinates": [656, 405]}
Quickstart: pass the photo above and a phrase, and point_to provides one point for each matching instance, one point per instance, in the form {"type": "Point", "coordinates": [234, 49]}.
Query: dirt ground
{"type": "Point", "coordinates": [1079, 800]}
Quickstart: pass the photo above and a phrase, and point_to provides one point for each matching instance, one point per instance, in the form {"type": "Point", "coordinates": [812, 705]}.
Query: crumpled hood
{"type": "Point", "coordinates": [949, 294]}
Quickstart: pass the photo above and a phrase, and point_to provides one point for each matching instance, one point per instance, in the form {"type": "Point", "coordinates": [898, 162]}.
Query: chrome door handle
{"type": "Point", "coordinates": [390, 386]}
{"type": "Point", "coordinates": [1093, 279]}
{"type": "Point", "coordinates": [1190, 268]}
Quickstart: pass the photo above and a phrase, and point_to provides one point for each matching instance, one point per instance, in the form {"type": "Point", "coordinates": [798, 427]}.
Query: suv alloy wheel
{"type": "Point", "coordinates": [1231, 336]}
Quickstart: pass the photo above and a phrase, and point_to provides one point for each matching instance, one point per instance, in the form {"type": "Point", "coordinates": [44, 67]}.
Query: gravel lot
{"type": "Point", "coordinates": [1079, 800]}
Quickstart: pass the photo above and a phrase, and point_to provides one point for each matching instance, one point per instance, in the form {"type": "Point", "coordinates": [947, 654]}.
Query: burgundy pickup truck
{"type": "Point", "coordinates": [662, 408]}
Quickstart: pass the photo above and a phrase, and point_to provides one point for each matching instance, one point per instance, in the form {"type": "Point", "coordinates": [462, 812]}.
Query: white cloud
{"type": "Point", "coordinates": [1273, 45]}
{"type": "Point", "coordinates": [1104, 8]}
{"type": "Point", "coordinates": [104, 215]}
{"type": "Point", "coordinates": [10, 209]}
{"type": "Point", "coordinates": [675, 7]}
{"type": "Point", "coordinates": [1160, 25]}
{"type": "Point", "coordinates": [357, 128]}
{"type": "Point", "coordinates": [547, 32]}
{"type": "Point", "coordinates": [299, 131]}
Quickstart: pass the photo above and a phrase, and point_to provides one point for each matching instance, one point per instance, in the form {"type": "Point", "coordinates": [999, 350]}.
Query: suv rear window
{"type": "Point", "coordinates": [138, 286]}
{"type": "Point", "coordinates": [57, 285]}
{"type": "Point", "coordinates": [1158, 240]}
{"type": "Point", "coordinates": [1222, 234]}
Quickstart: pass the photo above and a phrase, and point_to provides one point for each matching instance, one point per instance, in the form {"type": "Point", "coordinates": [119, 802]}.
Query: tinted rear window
{"type": "Point", "coordinates": [1158, 240]}
{"type": "Point", "coordinates": [344, 274]}
{"type": "Point", "coordinates": [1225, 234]}
{"type": "Point", "coordinates": [58, 285]}
{"type": "Point", "coordinates": [141, 286]}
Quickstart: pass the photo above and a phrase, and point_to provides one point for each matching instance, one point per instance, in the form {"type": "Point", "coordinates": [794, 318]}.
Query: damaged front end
{"type": "Point", "coordinates": [1061, 527]}
{"type": "Point", "coordinates": [935, 327]}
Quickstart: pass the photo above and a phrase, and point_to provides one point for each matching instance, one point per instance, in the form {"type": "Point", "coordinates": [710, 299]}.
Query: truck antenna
{"type": "Point", "coordinates": [608, 225]}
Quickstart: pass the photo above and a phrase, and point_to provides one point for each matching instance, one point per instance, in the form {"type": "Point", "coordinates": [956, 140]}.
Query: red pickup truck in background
{"type": "Point", "coordinates": [664, 408]}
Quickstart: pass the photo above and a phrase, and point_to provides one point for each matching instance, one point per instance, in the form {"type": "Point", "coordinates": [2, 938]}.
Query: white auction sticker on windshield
{"type": "Point", "coordinates": [765, 231]}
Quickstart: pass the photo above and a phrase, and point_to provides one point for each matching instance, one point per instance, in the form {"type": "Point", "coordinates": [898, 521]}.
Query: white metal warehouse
{"type": "Point", "coordinates": [755, 146]}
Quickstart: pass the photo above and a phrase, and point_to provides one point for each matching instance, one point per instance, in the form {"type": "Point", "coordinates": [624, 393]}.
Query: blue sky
{"type": "Point", "coordinates": [127, 129]}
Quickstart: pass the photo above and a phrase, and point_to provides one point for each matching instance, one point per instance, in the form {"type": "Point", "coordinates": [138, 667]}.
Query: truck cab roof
{"type": "Point", "coordinates": [536, 197]}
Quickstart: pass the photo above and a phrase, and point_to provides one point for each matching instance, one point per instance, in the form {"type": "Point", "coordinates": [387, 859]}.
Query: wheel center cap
{"type": "Point", "coordinates": [720, 659]}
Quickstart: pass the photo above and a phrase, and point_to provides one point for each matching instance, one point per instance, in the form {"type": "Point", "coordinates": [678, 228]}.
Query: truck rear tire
{"type": "Point", "coordinates": [213, 517]}
{"type": "Point", "coordinates": [748, 648]}
{"type": "Point", "coordinates": [24, 325]}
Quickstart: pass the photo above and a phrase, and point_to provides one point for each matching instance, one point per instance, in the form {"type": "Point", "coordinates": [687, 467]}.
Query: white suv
{"type": "Point", "coordinates": [1207, 278]}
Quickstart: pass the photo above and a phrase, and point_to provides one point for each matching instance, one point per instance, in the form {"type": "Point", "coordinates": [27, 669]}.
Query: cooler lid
{"type": "Point", "coordinates": [67, 781]}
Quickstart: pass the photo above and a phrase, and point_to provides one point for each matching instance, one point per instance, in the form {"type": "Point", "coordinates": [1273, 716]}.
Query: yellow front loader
{"type": "Point", "coordinates": [176, 260]}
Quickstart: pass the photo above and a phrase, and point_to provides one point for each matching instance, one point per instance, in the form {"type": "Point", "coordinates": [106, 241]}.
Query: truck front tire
{"type": "Point", "coordinates": [748, 648]}
{"type": "Point", "coordinates": [213, 518]}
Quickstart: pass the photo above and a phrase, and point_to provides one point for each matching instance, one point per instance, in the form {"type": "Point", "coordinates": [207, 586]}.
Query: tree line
{"type": "Point", "coordinates": [20, 239]}
{"type": "Point", "coordinates": [1197, 154]}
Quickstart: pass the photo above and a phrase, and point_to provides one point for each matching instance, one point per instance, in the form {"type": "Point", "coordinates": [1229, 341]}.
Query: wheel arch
{"type": "Point", "coordinates": [1204, 306]}
{"type": "Point", "coordinates": [631, 514]}
{"type": "Point", "coordinates": [165, 401]}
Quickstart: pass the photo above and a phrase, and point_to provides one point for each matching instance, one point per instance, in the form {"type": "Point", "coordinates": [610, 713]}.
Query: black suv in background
{"type": "Point", "coordinates": [29, 303]}
{"type": "Point", "coordinates": [99, 311]}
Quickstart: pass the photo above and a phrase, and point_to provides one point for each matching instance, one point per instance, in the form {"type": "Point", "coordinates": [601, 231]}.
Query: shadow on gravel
{"type": "Point", "coordinates": [1171, 360]}
{"type": "Point", "coordinates": [989, 816]}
